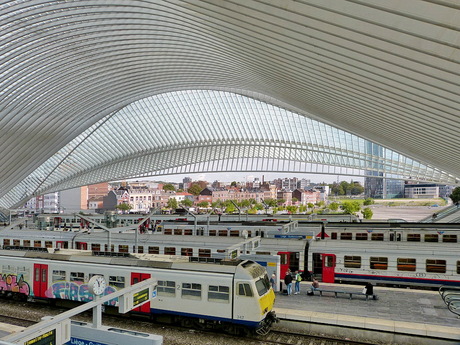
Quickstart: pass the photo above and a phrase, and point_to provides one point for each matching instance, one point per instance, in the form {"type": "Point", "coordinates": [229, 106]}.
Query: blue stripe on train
{"type": "Point", "coordinates": [366, 277]}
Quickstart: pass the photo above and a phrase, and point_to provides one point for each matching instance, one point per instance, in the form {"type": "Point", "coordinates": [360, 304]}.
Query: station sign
{"type": "Point", "coordinates": [48, 338]}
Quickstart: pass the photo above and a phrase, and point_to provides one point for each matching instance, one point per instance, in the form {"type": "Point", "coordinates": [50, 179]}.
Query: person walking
{"type": "Point", "coordinates": [298, 279]}
{"type": "Point", "coordinates": [288, 282]}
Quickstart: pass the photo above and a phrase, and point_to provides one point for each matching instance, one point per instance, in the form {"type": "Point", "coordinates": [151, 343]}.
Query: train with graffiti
{"type": "Point", "coordinates": [233, 296]}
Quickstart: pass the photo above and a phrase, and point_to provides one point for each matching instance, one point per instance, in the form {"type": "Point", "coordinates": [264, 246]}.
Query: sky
{"type": "Point", "coordinates": [249, 177]}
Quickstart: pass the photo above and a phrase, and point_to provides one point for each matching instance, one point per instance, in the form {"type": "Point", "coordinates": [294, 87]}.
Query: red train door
{"type": "Point", "coordinates": [81, 245]}
{"type": "Point", "coordinates": [136, 278]}
{"type": "Point", "coordinates": [328, 268]}
{"type": "Point", "coordinates": [40, 279]}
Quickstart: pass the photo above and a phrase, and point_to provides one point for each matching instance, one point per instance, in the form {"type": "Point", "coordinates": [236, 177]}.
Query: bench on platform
{"type": "Point", "coordinates": [350, 293]}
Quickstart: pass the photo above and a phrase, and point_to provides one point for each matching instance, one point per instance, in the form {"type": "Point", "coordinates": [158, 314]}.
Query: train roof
{"type": "Point", "coordinates": [37, 234]}
{"type": "Point", "coordinates": [223, 266]}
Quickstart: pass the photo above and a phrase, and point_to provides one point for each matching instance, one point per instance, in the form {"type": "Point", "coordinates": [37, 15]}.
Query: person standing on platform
{"type": "Point", "coordinates": [298, 279]}
{"type": "Point", "coordinates": [288, 282]}
{"type": "Point", "coordinates": [273, 281]}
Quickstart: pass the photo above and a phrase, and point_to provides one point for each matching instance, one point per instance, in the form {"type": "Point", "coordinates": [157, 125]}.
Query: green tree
{"type": "Point", "coordinates": [367, 213]}
{"type": "Point", "coordinates": [351, 207]}
{"type": "Point", "coordinates": [334, 206]}
{"type": "Point", "coordinates": [245, 203]}
{"type": "Point", "coordinates": [368, 201]}
{"type": "Point", "coordinates": [169, 186]}
{"type": "Point", "coordinates": [233, 184]}
{"type": "Point", "coordinates": [311, 205]}
{"type": "Point", "coordinates": [270, 202]}
{"type": "Point", "coordinates": [280, 201]}
{"type": "Point", "coordinates": [187, 203]}
{"type": "Point", "coordinates": [124, 207]}
{"type": "Point", "coordinates": [203, 204]}
{"type": "Point", "coordinates": [455, 196]}
{"type": "Point", "coordinates": [172, 203]}
{"type": "Point", "coordinates": [195, 189]}
{"type": "Point", "coordinates": [294, 200]}
{"type": "Point", "coordinates": [292, 209]}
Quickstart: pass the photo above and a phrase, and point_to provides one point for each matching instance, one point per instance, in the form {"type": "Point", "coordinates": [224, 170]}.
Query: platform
{"type": "Point", "coordinates": [6, 329]}
{"type": "Point", "coordinates": [404, 311]}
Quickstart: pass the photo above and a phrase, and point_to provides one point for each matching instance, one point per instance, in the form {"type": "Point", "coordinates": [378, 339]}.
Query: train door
{"type": "Point", "coordinates": [136, 278]}
{"type": "Point", "coordinates": [328, 268]}
{"type": "Point", "coordinates": [40, 279]}
{"type": "Point", "coordinates": [81, 245]}
{"type": "Point", "coordinates": [62, 244]}
{"type": "Point", "coordinates": [395, 236]}
{"type": "Point", "coordinates": [288, 260]}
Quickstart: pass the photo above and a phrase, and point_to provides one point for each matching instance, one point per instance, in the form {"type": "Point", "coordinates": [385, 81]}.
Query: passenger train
{"type": "Point", "coordinates": [234, 296]}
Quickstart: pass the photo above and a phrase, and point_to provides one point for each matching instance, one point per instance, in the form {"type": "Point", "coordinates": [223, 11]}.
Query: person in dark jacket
{"type": "Point", "coordinates": [288, 282]}
{"type": "Point", "coordinates": [370, 290]}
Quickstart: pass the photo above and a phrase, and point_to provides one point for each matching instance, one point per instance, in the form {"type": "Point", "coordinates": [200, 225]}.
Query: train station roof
{"type": "Point", "coordinates": [100, 90]}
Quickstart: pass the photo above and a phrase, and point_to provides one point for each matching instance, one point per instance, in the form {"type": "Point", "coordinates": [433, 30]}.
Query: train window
{"type": "Point", "coordinates": [329, 261]}
{"type": "Point", "coordinates": [204, 253]}
{"type": "Point", "coordinates": [431, 237]}
{"type": "Point", "coordinates": [458, 267]}
{"type": "Point", "coordinates": [177, 231]}
{"type": "Point", "coordinates": [77, 276]}
{"type": "Point", "coordinates": [235, 233]}
{"type": "Point", "coordinates": [168, 232]}
{"type": "Point", "coordinates": [378, 263]}
{"type": "Point", "coordinates": [191, 291]}
{"type": "Point", "coordinates": [58, 276]}
{"type": "Point", "coordinates": [223, 233]}
{"type": "Point", "coordinates": [283, 259]}
{"type": "Point", "coordinates": [333, 235]}
{"type": "Point", "coordinates": [188, 232]}
{"type": "Point", "coordinates": [16, 242]}
{"type": "Point", "coordinates": [170, 250]}
{"type": "Point", "coordinates": [449, 238]}
{"type": "Point", "coordinates": [117, 281]}
{"type": "Point", "coordinates": [352, 261]}
{"type": "Point", "coordinates": [377, 236]}
{"type": "Point", "coordinates": [346, 236]}
{"type": "Point", "coordinates": [6, 242]}
{"type": "Point", "coordinates": [218, 293]}
{"type": "Point", "coordinates": [212, 232]}
{"type": "Point", "coordinates": [26, 243]}
{"type": "Point", "coordinates": [154, 250]}
{"type": "Point", "coordinates": [112, 247]}
{"type": "Point", "coordinates": [262, 285]}
{"type": "Point", "coordinates": [436, 266]}
{"type": "Point", "coordinates": [361, 236]}
{"type": "Point", "coordinates": [413, 237]}
{"type": "Point", "coordinates": [186, 251]}
{"type": "Point", "coordinates": [166, 288]}
{"type": "Point", "coordinates": [140, 249]}
{"type": "Point", "coordinates": [95, 247]}
{"type": "Point", "coordinates": [48, 244]}
{"type": "Point", "coordinates": [37, 244]}
{"type": "Point", "coordinates": [122, 248]}
{"type": "Point", "coordinates": [244, 289]}
{"type": "Point", "coordinates": [405, 264]}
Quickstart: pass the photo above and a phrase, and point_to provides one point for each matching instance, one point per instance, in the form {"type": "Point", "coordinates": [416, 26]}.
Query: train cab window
{"type": "Point", "coordinates": [6, 242]}
{"type": "Point", "coordinates": [166, 288]}
{"type": "Point", "coordinates": [186, 251]}
{"type": "Point", "coordinates": [26, 243]}
{"type": "Point", "coordinates": [378, 263]}
{"type": "Point", "coordinates": [122, 248]}
{"type": "Point", "coordinates": [377, 236]}
{"type": "Point", "coordinates": [58, 276]}
{"type": "Point", "coordinates": [406, 264]}
{"type": "Point", "coordinates": [117, 281]}
{"type": "Point", "coordinates": [449, 238]}
{"type": "Point", "coordinates": [431, 237]}
{"type": "Point", "coordinates": [333, 235]}
{"type": "Point", "coordinates": [95, 247]}
{"type": "Point", "coordinates": [154, 250]}
{"type": "Point", "coordinates": [413, 237]}
{"type": "Point", "coordinates": [204, 253]}
{"type": "Point", "coordinates": [48, 244]}
{"type": "Point", "coordinates": [352, 261]}
{"type": "Point", "coordinates": [212, 232]}
{"type": "Point", "coordinates": [361, 236]}
{"type": "Point", "coordinates": [170, 250]}
{"type": "Point", "coordinates": [244, 289]}
{"type": "Point", "coordinates": [218, 293]}
{"type": "Point", "coordinates": [191, 291]}
{"type": "Point", "coordinates": [262, 285]}
{"type": "Point", "coordinates": [436, 266]}
{"type": "Point", "coordinates": [37, 244]}
{"type": "Point", "coordinates": [188, 232]}
{"type": "Point", "coordinates": [77, 276]}
{"type": "Point", "coordinates": [346, 236]}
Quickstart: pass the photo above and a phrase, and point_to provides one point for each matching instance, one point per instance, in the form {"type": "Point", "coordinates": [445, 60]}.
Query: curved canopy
{"type": "Point", "coordinates": [80, 80]}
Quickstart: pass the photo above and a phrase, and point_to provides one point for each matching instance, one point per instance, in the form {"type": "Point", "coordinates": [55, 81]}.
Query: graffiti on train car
{"type": "Point", "coordinates": [76, 291]}
{"type": "Point", "coordinates": [14, 283]}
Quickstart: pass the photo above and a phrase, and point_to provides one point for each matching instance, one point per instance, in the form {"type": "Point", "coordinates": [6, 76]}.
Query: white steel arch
{"type": "Point", "coordinates": [387, 72]}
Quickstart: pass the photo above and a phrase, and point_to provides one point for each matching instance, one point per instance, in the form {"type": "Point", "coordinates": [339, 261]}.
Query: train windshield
{"type": "Point", "coordinates": [262, 285]}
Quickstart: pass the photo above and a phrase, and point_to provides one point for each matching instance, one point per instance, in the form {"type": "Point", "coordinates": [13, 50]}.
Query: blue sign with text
{"type": "Point", "coordinates": [77, 341]}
